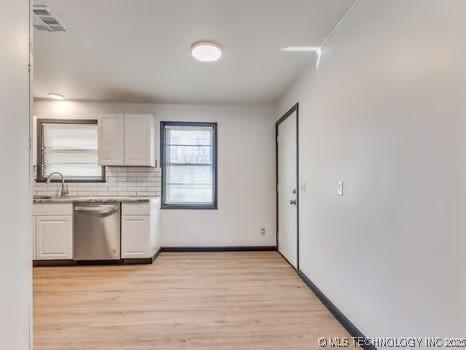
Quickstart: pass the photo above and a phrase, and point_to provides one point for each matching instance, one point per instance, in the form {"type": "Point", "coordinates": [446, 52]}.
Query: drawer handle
{"type": "Point", "coordinates": [102, 210]}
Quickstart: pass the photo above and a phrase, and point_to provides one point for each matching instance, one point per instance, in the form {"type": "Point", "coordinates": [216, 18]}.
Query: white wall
{"type": "Point", "coordinates": [15, 198]}
{"type": "Point", "coordinates": [246, 173]}
{"type": "Point", "coordinates": [386, 113]}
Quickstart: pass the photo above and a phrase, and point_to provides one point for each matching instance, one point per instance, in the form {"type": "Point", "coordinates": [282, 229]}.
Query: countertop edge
{"type": "Point", "coordinates": [95, 200]}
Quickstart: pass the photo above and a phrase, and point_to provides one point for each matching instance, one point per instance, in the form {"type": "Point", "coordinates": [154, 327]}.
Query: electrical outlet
{"type": "Point", "coordinates": [263, 231]}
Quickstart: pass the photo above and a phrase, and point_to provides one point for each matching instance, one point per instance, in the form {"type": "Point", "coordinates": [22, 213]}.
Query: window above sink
{"type": "Point", "coordinates": [69, 147]}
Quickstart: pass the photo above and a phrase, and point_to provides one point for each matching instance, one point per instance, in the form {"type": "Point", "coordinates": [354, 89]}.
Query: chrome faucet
{"type": "Point", "coordinates": [63, 190]}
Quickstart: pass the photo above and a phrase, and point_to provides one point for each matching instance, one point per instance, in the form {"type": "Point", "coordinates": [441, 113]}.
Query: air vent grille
{"type": "Point", "coordinates": [41, 27]}
{"type": "Point", "coordinates": [44, 20]}
{"type": "Point", "coordinates": [40, 12]}
{"type": "Point", "coordinates": [57, 29]}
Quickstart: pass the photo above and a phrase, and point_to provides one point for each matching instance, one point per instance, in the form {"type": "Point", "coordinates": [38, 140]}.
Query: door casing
{"type": "Point", "coordinates": [293, 109]}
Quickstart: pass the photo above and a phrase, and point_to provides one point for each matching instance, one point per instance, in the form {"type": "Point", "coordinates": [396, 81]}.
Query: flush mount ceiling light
{"type": "Point", "coordinates": [206, 51]}
{"type": "Point", "coordinates": [56, 96]}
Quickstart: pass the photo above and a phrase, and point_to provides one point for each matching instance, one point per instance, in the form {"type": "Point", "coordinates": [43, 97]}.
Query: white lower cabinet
{"type": "Point", "coordinates": [135, 236]}
{"type": "Point", "coordinates": [54, 237]}
{"type": "Point", "coordinates": [53, 232]}
{"type": "Point", "coordinates": [140, 229]}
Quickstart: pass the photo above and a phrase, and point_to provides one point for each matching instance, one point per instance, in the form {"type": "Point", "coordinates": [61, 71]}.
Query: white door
{"type": "Point", "coordinates": [287, 188]}
{"type": "Point", "coordinates": [54, 237]}
{"type": "Point", "coordinates": [112, 139]}
{"type": "Point", "coordinates": [139, 140]}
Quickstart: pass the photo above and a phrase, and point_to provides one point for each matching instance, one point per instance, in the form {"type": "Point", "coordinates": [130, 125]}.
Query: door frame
{"type": "Point", "coordinates": [293, 109]}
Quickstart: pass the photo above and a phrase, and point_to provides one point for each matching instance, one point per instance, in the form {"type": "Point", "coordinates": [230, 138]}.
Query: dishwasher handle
{"type": "Point", "coordinates": [102, 209]}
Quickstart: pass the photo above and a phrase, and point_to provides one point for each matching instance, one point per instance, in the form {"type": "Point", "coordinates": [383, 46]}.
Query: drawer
{"type": "Point", "coordinates": [52, 209]}
{"type": "Point", "coordinates": [135, 209]}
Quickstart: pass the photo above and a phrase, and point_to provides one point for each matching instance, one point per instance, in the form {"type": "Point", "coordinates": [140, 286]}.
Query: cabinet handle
{"type": "Point", "coordinates": [101, 210]}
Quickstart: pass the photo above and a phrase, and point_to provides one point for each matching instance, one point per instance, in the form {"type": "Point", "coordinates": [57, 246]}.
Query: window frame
{"type": "Point", "coordinates": [214, 204]}
{"type": "Point", "coordinates": [39, 164]}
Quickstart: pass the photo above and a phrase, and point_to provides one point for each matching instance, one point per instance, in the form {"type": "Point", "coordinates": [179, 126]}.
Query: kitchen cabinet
{"type": "Point", "coordinates": [140, 229]}
{"type": "Point", "coordinates": [54, 237]}
{"type": "Point", "coordinates": [112, 139]}
{"type": "Point", "coordinates": [52, 232]}
{"type": "Point", "coordinates": [139, 140]}
{"type": "Point", "coordinates": [127, 140]}
{"type": "Point", "coordinates": [135, 231]}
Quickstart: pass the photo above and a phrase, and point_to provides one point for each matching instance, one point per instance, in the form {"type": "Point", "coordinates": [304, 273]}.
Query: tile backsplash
{"type": "Point", "coordinates": [121, 181]}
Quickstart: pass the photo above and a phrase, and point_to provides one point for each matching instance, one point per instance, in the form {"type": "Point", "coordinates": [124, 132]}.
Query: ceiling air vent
{"type": "Point", "coordinates": [45, 21]}
{"type": "Point", "coordinates": [40, 11]}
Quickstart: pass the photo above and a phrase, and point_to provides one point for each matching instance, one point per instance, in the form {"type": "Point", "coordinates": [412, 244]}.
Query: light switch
{"type": "Point", "coordinates": [340, 188]}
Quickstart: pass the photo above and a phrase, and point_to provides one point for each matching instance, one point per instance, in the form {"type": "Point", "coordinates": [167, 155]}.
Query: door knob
{"type": "Point", "coordinates": [293, 202]}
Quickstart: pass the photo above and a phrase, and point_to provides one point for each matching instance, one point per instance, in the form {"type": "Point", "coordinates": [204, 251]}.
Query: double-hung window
{"type": "Point", "coordinates": [189, 165]}
{"type": "Point", "coordinates": [69, 147]}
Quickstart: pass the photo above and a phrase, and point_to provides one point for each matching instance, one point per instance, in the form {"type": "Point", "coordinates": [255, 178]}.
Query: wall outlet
{"type": "Point", "coordinates": [340, 188]}
{"type": "Point", "coordinates": [263, 231]}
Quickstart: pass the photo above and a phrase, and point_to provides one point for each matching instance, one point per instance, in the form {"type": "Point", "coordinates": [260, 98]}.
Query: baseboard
{"type": "Point", "coordinates": [294, 268]}
{"type": "Point", "coordinates": [52, 263]}
{"type": "Point", "coordinates": [97, 262]}
{"type": "Point", "coordinates": [345, 322]}
{"type": "Point", "coordinates": [56, 263]}
{"type": "Point", "coordinates": [219, 249]}
{"type": "Point", "coordinates": [137, 261]}
{"type": "Point", "coordinates": [156, 254]}
{"type": "Point", "coordinates": [141, 261]}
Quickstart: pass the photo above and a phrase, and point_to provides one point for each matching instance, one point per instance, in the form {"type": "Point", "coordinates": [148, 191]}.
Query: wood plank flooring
{"type": "Point", "coordinates": [217, 301]}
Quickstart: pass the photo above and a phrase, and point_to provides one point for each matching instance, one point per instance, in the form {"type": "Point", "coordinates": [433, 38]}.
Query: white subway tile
{"type": "Point", "coordinates": [127, 194]}
{"type": "Point", "coordinates": [147, 194]}
{"type": "Point", "coordinates": [121, 181]}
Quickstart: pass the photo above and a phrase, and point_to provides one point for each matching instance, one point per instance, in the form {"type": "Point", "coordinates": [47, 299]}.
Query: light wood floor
{"type": "Point", "coordinates": [217, 301]}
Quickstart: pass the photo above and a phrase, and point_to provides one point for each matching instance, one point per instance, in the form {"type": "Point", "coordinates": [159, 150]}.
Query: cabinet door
{"type": "Point", "coordinates": [112, 139]}
{"type": "Point", "coordinates": [139, 140]}
{"type": "Point", "coordinates": [54, 237]}
{"type": "Point", "coordinates": [135, 233]}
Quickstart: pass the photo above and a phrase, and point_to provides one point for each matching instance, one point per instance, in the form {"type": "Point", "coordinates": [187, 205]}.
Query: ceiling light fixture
{"type": "Point", "coordinates": [206, 51]}
{"type": "Point", "coordinates": [56, 96]}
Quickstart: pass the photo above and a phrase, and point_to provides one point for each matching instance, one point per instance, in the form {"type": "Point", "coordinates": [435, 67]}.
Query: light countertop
{"type": "Point", "coordinates": [113, 199]}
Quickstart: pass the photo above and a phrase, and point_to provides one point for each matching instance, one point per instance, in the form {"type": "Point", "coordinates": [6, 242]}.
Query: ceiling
{"type": "Point", "coordinates": [139, 51]}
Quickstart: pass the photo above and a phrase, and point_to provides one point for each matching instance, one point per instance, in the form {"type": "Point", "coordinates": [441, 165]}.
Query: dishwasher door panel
{"type": "Point", "coordinates": [96, 231]}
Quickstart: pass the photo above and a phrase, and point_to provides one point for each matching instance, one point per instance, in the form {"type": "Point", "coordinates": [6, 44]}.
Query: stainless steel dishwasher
{"type": "Point", "coordinates": [96, 231]}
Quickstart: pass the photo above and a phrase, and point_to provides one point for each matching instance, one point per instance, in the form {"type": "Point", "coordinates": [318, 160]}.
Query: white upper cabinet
{"type": "Point", "coordinates": [140, 140]}
{"type": "Point", "coordinates": [112, 139]}
{"type": "Point", "coordinates": [127, 140]}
